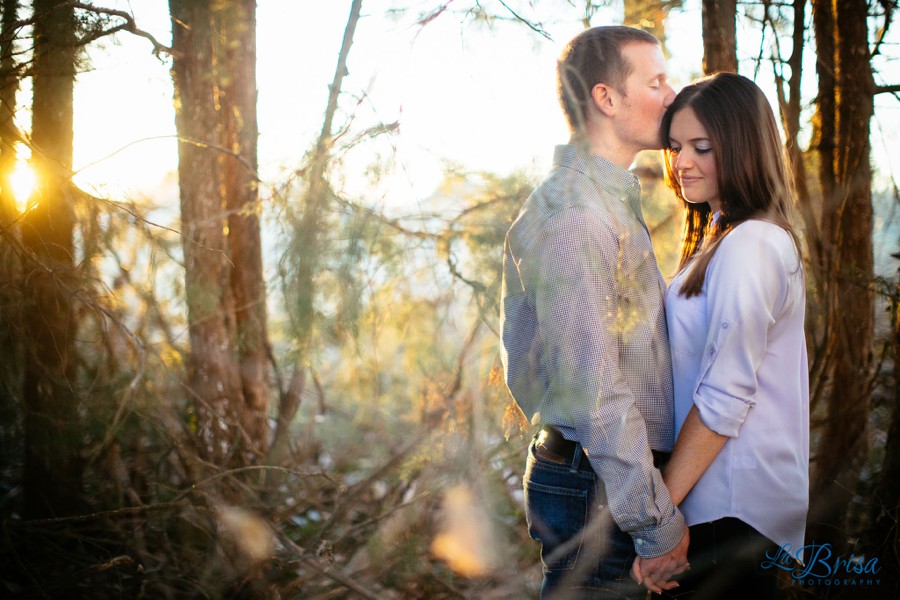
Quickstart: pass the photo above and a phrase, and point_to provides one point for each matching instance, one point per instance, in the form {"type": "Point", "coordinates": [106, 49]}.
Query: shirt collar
{"type": "Point", "coordinates": [599, 169]}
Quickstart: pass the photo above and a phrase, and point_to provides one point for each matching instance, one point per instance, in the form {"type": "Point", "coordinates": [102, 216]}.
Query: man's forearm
{"type": "Point", "coordinates": [615, 439]}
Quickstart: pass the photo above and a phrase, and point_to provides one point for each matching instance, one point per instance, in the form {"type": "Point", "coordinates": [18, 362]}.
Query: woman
{"type": "Point", "coordinates": [735, 314]}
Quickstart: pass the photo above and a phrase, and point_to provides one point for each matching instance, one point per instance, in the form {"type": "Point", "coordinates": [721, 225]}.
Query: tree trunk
{"type": "Point", "coordinates": [790, 104]}
{"type": "Point", "coordinates": [824, 132]}
{"type": "Point", "coordinates": [9, 85]}
{"type": "Point", "coordinates": [791, 108]}
{"type": "Point", "coordinates": [824, 318]}
{"type": "Point", "coordinates": [52, 467]}
{"type": "Point", "coordinates": [11, 365]}
{"type": "Point", "coordinates": [884, 535]}
{"type": "Point", "coordinates": [847, 225]}
{"type": "Point", "coordinates": [719, 39]}
{"type": "Point", "coordinates": [238, 74]}
{"type": "Point", "coordinates": [214, 375]}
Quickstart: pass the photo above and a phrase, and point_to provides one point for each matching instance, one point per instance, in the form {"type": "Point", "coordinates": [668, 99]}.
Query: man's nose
{"type": "Point", "coordinates": [670, 96]}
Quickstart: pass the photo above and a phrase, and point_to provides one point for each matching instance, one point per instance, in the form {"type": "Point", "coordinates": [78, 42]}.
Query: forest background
{"type": "Point", "coordinates": [249, 275]}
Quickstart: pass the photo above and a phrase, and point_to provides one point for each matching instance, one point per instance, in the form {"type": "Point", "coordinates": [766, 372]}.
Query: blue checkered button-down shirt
{"type": "Point", "coordinates": [585, 347]}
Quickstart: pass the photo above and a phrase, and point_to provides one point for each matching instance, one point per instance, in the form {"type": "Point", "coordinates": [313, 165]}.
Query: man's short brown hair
{"type": "Point", "coordinates": [591, 57]}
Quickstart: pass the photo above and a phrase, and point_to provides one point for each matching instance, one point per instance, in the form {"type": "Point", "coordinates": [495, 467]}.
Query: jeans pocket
{"type": "Point", "coordinates": [556, 517]}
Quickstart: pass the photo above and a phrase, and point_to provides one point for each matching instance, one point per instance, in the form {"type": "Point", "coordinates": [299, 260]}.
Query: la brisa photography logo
{"type": "Point", "coordinates": [822, 567]}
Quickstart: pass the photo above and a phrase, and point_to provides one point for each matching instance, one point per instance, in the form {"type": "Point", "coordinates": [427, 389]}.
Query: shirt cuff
{"type": "Point", "coordinates": [656, 541]}
{"type": "Point", "coordinates": [722, 413]}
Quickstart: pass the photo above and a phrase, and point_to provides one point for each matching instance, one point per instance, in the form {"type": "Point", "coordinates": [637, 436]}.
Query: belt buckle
{"type": "Point", "coordinates": [542, 451]}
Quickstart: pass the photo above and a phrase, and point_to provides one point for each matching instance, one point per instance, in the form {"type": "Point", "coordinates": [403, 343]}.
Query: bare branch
{"type": "Point", "coordinates": [106, 514]}
{"type": "Point", "coordinates": [426, 19]}
{"type": "Point", "coordinates": [129, 25]}
{"type": "Point", "coordinates": [328, 570]}
{"type": "Point", "coordinates": [199, 143]}
{"type": "Point", "coordinates": [528, 23]}
{"type": "Point", "coordinates": [390, 222]}
{"type": "Point", "coordinates": [334, 89]}
{"type": "Point", "coordinates": [888, 6]}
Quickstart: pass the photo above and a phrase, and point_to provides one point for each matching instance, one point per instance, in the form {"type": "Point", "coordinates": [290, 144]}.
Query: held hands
{"type": "Point", "coordinates": [657, 573]}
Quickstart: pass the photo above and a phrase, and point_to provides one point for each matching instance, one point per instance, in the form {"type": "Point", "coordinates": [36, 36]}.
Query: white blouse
{"type": "Point", "coordinates": [739, 354]}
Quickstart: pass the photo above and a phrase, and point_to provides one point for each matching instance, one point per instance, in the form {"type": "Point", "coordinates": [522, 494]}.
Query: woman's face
{"type": "Point", "coordinates": [691, 155]}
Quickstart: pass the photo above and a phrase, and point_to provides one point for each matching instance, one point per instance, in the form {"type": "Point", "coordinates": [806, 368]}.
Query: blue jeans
{"type": "Point", "coordinates": [584, 554]}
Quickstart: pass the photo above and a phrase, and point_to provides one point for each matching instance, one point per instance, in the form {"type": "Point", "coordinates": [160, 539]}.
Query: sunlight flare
{"type": "Point", "coordinates": [466, 541]}
{"type": "Point", "coordinates": [22, 180]}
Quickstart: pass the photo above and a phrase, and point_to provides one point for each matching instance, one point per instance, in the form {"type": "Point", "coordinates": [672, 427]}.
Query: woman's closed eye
{"type": "Point", "coordinates": [698, 149]}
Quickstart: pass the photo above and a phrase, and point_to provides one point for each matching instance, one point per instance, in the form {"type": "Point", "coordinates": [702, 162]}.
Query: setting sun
{"type": "Point", "coordinates": [22, 181]}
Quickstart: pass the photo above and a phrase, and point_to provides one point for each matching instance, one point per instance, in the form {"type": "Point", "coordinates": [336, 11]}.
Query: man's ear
{"type": "Point", "coordinates": [604, 99]}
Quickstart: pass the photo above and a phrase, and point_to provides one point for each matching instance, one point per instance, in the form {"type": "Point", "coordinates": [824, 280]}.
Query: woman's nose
{"type": "Point", "coordinates": [682, 161]}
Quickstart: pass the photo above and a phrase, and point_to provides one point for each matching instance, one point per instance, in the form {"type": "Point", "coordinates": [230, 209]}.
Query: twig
{"type": "Point", "coordinates": [381, 516]}
{"type": "Point", "coordinates": [390, 222]}
{"type": "Point", "coordinates": [334, 89]}
{"type": "Point", "coordinates": [130, 26]}
{"type": "Point", "coordinates": [423, 21]}
{"type": "Point", "coordinates": [888, 6]}
{"type": "Point", "coordinates": [528, 23]}
{"type": "Point", "coordinates": [329, 572]}
{"type": "Point", "coordinates": [456, 386]}
{"type": "Point", "coordinates": [350, 498]}
{"type": "Point", "coordinates": [131, 510]}
{"type": "Point", "coordinates": [229, 472]}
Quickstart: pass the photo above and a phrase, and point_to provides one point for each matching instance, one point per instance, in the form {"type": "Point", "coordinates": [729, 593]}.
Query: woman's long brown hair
{"type": "Point", "coordinates": [752, 174]}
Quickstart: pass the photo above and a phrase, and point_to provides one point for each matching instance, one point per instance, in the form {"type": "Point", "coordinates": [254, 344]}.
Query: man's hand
{"type": "Point", "coordinates": [657, 573]}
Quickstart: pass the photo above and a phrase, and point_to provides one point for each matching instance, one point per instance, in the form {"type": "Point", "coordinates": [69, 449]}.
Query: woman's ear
{"type": "Point", "coordinates": [605, 99]}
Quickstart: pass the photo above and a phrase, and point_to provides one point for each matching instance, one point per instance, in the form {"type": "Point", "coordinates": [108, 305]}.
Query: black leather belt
{"type": "Point", "coordinates": [563, 450]}
{"type": "Point", "coordinates": [551, 439]}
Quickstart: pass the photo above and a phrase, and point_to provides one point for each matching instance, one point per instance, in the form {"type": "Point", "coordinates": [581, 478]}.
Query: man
{"type": "Point", "coordinates": [584, 334]}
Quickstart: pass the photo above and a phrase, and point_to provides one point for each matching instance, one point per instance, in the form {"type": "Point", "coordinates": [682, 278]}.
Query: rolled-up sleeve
{"type": "Point", "coordinates": [746, 283]}
{"type": "Point", "coordinates": [577, 307]}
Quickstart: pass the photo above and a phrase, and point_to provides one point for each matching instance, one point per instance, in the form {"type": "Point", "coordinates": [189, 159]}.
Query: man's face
{"type": "Point", "coordinates": [644, 97]}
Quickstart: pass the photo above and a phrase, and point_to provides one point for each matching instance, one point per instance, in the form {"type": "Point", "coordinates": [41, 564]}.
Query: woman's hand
{"type": "Point", "coordinates": [656, 574]}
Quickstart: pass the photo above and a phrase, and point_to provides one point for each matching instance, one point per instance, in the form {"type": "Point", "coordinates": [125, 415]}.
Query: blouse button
{"type": "Point", "coordinates": [725, 325]}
